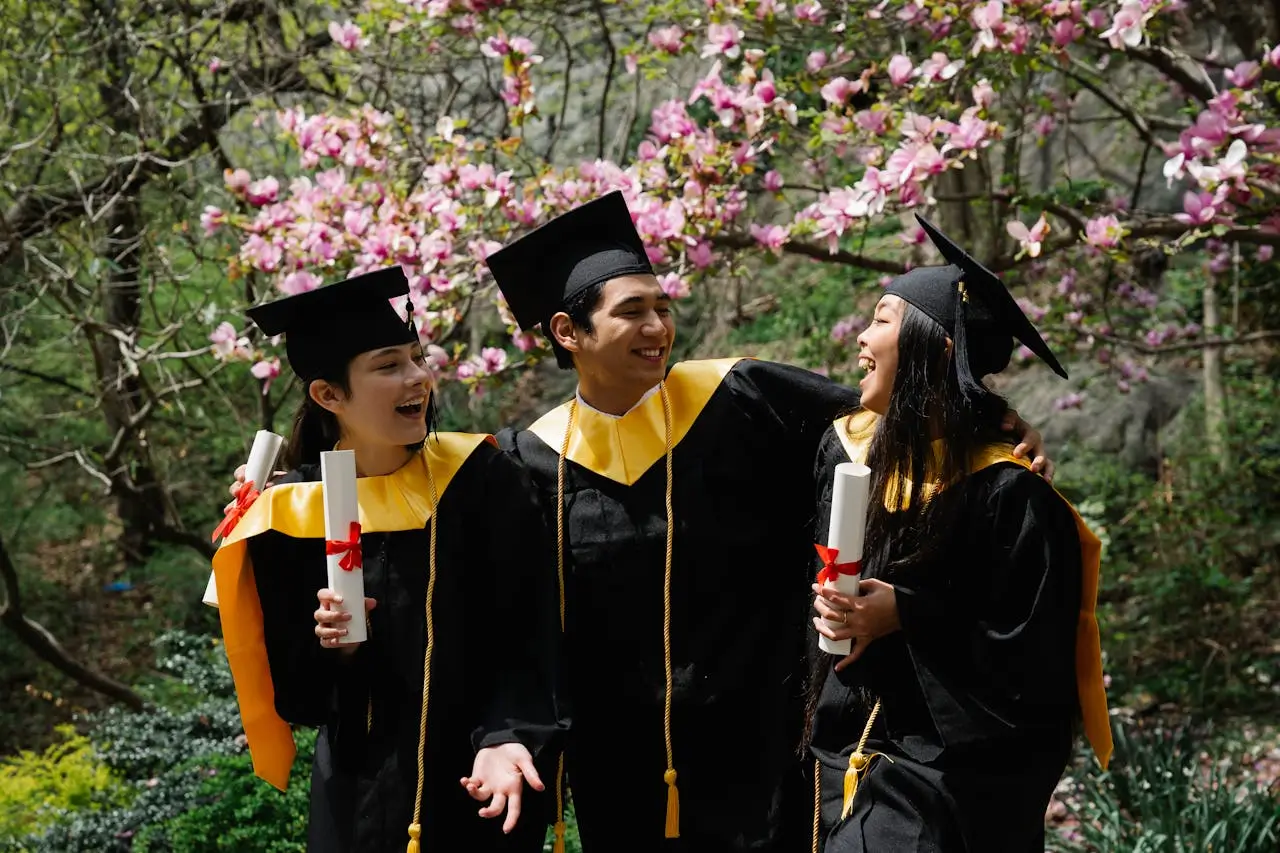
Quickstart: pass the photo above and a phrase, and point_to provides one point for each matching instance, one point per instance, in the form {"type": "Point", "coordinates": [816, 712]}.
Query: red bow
{"type": "Point", "coordinates": [245, 496]}
{"type": "Point", "coordinates": [830, 568]}
{"type": "Point", "coordinates": [352, 557]}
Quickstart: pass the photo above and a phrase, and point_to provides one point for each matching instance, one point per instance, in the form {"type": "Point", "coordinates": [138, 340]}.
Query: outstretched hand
{"type": "Point", "coordinates": [498, 775]}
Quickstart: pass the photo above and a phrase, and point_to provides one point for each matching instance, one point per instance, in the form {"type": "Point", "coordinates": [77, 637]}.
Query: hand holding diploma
{"type": "Point", "coordinates": [342, 545]}
{"type": "Point", "coordinates": [842, 556]}
{"type": "Point", "coordinates": [249, 484]}
{"type": "Point", "coordinates": [499, 772]}
{"type": "Point", "coordinates": [331, 622]}
{"type": "Point", "coordinates": [858, 619]}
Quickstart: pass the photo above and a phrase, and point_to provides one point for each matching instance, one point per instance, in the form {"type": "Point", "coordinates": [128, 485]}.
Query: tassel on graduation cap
{"type": "Point", "coordinates": [974, 308]}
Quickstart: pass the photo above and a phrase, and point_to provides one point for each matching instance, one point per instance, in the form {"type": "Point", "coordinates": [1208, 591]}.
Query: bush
{"type": "Point", "coordinates": [1165, 794]}
{"type": "Point", "coordinates": [35, 787]}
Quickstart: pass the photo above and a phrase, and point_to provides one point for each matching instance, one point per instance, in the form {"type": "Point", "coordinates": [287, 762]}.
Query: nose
{"type": "Point", "coordinates": [862, 339]}
{"type": "Point", "coordinates": [418, 375]}
{"type": "Point", "coordinates": [653, 325]}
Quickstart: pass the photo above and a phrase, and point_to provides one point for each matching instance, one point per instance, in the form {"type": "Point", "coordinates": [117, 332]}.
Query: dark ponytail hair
{"type": "Point", "coordinates": [316, 429]}
{"type": "Point", "coordinates": [926, 404]}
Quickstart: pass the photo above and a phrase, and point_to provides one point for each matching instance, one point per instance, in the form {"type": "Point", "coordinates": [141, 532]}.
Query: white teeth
{"type": "Point", "coordinates": [866, 364]}
{"type": "Point", "coordinates": [651, 353]}
{"type": "Point", "coordinates": [416, 401]}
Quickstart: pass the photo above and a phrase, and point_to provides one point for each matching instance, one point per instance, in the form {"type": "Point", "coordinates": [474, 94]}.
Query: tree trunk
{"type": "Point", "coordinates": [1215, 398]}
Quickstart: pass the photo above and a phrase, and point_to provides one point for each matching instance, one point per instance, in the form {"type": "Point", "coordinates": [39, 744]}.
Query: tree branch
{"type": "Point", "coordinates": [1163, 60]}
{"type": "Point", "coordinates": [809, 250]}
{"type": "Point", "coordinates": [44, 377]}
{"type": "Point", "coordinates": [608, 80]}
{"type": "Point", "coordinates": [1205, 343]}
{"type": "Point", "coordinates": [36, 637]}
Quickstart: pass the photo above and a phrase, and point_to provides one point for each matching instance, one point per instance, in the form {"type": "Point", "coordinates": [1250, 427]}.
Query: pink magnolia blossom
{"type": "Point", "coordinates": [667, 39]}
{"type": "Point", "coordinates": [771, 237]}
{"type": "Point", "coordinates": [1029, 239]}
{"type": "Point", "coordinates": [1265, 253]}
{"type": "Point", "coordinates": [874, 121]}
{"type": "Point", "coordinates": [817, 60]}
{"type": "Point", "coordinates": [226, 340]}
{"type": "Point", "coordinates": [211, 219]}
{"type": "Point", "coordinates": [674, 286]}
{"type": "Point", "coordinates": [297, 282]}
{"type": "Point", "coordinates": [848, 328]}
{"type": "Point", "coordinates": [987, 19]}
{"type": "Point", "coordinates": [267, 371]}
{"type": "Point", "coordinates": [1074, 400]}
{"type": "Point", "coordinates": [938, 68]}
{"type": "Point", "coordinates": [1126, 27]}
{"type": "Point", "coordinates": [900, 69]}
{"type": "Point", "coordinates": [984, 95]}
{"type": "Point", "coordinates": [347, 35]}
{"type": "Point", "coordinates": [1065, 32]}
{"type": "Point", "coordinates": [840, 90]}
{"type": "Point", "coordinates": [723, 39]}
{"type": "Point", "coordinates": [810, 11]}
{"type": "Point", "coordinates": [265, 191]}
{"type": "Point", "coordinates": [237, 180]}
{"type": "Point", "coordinates": [1198, 209]}
{"type": "Point", "coordinates": [215, 65]}
{"type": "Point", "coordinates": [1244, 75]}
{"type": "Point", "coordinates": [1103, 232]}
{"type": "Point", "coordinates": [700, 255]}
{"type": "Point", "coordinates": [773, 181]}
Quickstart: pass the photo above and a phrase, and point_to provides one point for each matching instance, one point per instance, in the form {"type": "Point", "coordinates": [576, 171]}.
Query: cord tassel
{"type": "Point", "coordinates": [415, 831]}
{"type": "Point", "coordinates": [673, 805]}
{"type": "Point", "coordinates": [558, 846]}
{"type": "Point", "coordinates": [858, 764]}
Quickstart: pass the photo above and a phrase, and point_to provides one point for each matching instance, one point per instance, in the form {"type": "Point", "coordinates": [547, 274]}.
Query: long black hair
{"type": "Point", "coordinates": [316, 429]}
{"type": "Point", "coordinates": [908, 530]}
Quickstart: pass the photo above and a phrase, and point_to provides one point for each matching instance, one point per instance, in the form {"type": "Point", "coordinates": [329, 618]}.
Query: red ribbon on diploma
{"type": "Point", "coordinates": [245, 496]}
{"type": "Point", "coordinates": [830, 568]}
{"type": "Point", "coordinates": [350, 549]}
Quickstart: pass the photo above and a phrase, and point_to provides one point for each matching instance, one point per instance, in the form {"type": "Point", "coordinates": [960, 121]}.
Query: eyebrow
{"type": "Point", "coordinates": [385, 352]}
{"type": "Point", "coordinates": [639, 300]}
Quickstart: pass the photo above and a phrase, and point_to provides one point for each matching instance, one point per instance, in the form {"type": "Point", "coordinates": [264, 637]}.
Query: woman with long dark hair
{"type": "Point", "coordinates": [455, 679]}
{"type": "Point", "coordinates": [975, 650]}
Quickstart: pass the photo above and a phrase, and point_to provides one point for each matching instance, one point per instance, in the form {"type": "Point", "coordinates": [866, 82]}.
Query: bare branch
{"type": "Point", "coordinates": [1184, 346]}
{"type": "Point", "coordinates": [44, 377]}
{"type": "Point", "coordinates": [608, 79]}
{"type": "Point", "coordinates": [1164, 60]}
{"type": "Point", "coordinates": [820, 253]}
{"type": "Point", "coordinates": [36, 637]}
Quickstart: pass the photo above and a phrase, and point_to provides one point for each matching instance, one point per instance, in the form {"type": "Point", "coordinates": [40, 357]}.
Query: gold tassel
{"type": "Point", "coordinates": [673, 805]}
{"type": "Point", "coordinates": [558, 847]}
{"type": "Point", "coordinates": [415, 831]}
{"type": "Point", "coordinates": [858, 763]}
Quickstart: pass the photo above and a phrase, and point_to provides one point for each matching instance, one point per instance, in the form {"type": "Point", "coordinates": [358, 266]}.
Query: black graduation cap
{"type": "Point", "coordinates": [327, 327]}
{"type": "Point", "coordinates": [973, 305]}
{"type": "Point", "coordinates": [539, 273]}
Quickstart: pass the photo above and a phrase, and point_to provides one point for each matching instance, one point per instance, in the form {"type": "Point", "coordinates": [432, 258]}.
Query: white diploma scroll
{"type": "Point", "coordinates": [341, 512]}
{"type": "Point", "coordinates": [262, 462]}
{"type": "Point", "coordinates": [849, 500]}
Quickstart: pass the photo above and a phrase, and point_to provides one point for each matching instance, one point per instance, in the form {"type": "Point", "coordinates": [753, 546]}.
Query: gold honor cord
{"type": "Point", "coordinates": [672, 829]}
{"type": "Point", "coordinates": [558, 846]}
{"type": "Point", "coordinates": [415, 828]}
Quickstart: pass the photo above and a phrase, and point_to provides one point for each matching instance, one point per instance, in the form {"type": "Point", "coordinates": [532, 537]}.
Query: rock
{"type": "Point", "coordinates": [1126, 426]}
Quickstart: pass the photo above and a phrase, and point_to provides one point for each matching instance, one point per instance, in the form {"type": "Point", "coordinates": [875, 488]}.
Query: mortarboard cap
{"type": "Point", "coordinates": [593, 243]}
{"type": "Point", "coordinates": [327, 327]}
{"type": "Point", "coordinates": [973, 305]}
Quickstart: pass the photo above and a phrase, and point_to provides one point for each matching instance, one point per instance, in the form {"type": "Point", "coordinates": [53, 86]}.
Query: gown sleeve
{"type": "Point", "coordinates": [994, 646]}
{"type": "Point", "coordinates": [802, 403]}
{"type": "Point", "coordinates": [507, 527]}
{"type": "Point", "coordinates": [288, 572]}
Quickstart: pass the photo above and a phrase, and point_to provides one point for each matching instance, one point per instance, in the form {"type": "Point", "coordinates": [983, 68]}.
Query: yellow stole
{"type": "Point", "coordinates": [855, 432]}
{"type": "Point", "coordinates": [398, 501]}
{"type": "Point", "coordinates": [624, 448]}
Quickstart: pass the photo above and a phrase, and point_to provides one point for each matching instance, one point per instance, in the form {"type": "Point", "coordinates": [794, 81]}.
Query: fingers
{"type": "Point", "coordinates": [474, 789]}
{"type": "Point", "coordinates": [513, 813]}
{"type": "Point", "coordinates": [1010, 421]}
{"type": "Point", "coordinates": [496, 806]}
{"type": "Point", "coordinates": [859, 646]}
{"type": "Point", "coordinates": [530, 774]}
{"type": "Point", "coordinates": [837, 598]}
{"type": "Point", "coordinates": [1021, 450]}
{"type": "Point", "coordinates": [827, 610]}
{"type": "Point", "coordinates": [839, 632]}
{"type": "Point", "coordinates": [1049, 469]}
{"type": "Point", "coordinates": [327, 598]}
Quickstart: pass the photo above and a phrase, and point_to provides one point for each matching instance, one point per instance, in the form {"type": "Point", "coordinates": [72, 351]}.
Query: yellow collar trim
{"type": "Point", "coordinates": [624, 448]}
{"type": "Point", "coordinates": [855, 432]}
{"type": "Point", "coordinates": [398, 501]}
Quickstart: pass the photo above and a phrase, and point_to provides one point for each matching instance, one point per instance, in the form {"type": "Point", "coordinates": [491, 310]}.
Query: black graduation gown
{"type": "Point", "coordinates": [978, 690]}
{"type": "Point", "coordinates": [743, 509]}
{"type": "Point", "coordinates": [496, 638]}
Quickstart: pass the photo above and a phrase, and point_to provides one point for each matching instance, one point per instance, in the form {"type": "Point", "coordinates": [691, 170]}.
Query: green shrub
{"type": "Point", "coordinates": [1166, 793]}
{"type": "Point", "coordinates": [35, 787]}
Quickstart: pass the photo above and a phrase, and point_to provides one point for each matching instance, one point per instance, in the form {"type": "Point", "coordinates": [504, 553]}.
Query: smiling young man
{"type": "Point", "coordinates": [684, 504]}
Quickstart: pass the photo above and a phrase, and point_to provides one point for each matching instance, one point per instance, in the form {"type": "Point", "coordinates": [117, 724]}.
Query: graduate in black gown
{"type": "Point", "coordinates": [460, 589]}
{"type": "Point", "coordinates": [975, 645]}
{"type": "Point", "coordinates": [684, 503]}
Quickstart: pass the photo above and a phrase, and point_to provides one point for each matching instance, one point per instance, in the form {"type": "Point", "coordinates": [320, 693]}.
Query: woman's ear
{"type": "Point", "coordinates": [326, 395]}
{"type": "Point", "coordinates": [564, 332]}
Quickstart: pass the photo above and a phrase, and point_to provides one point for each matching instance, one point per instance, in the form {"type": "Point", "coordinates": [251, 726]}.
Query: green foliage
{"type": "Point", "coordinates": [1164, 793]}
{"type": "Point", "coordinates": [1200, 546]}
{"type": "Point", "coordinates": [66, 776]}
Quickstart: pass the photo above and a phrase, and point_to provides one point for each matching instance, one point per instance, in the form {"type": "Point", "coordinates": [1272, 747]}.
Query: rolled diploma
{"type": "Point", "coordinates": [262, 460]}
{"type": "Point", "coordinates": [338, 475]}
{"type": "Point", "coordinates": [849, 499]}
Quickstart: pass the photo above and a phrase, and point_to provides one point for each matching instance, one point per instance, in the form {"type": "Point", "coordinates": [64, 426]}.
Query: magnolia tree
{"type": "Point", "coordinates": [1072, 145]}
